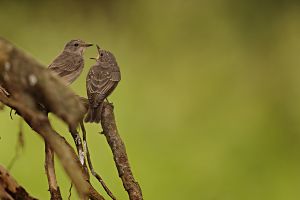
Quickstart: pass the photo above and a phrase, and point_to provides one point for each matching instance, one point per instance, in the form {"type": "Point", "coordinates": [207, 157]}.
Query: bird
{"type": "Point", "coordinates": [103, 77]}
{"type": "Point", "coordinates": [69, 64]}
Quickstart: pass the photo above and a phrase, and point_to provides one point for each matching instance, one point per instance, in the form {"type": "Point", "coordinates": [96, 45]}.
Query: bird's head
{"type": "Point", "coordinates": [104, 56]}
{"type": "Point", "coordinates": [77, 46]}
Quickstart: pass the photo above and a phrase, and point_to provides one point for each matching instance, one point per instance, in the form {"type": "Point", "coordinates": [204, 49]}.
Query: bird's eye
{"type": "Point", "coordinates": [76, 44]}
{"type": "Point", "coordinates": [101, 54]}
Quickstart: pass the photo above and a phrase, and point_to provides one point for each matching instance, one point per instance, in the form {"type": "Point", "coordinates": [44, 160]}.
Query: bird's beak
{"type": "Point", "coordinates": [98, 48]}
{"type": "Point", "coordinates": [87, 45]}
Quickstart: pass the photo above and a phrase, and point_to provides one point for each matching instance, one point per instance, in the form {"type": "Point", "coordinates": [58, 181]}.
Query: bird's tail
{"type": "Point", "coordinates": [94, 114]}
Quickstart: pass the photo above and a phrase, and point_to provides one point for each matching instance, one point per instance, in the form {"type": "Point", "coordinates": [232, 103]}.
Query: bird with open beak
{"type": "Point", "coordinates": [69, 64]}
{"type": "Point", "coordinates": [101, 81]}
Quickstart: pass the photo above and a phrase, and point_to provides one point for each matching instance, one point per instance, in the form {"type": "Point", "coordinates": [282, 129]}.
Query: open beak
{"type": "Point", "coordinates": [98, 48]}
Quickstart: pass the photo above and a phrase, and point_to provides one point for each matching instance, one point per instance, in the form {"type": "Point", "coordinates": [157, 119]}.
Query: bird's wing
{"type": "Point", "coordinates": [65, 64]}
{"type": "Point", "coordinates": [100, 84]}
{"type": "Point", "coordinates": [115, 74]}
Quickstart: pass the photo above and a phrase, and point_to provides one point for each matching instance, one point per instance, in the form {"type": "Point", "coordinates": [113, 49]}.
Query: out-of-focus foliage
{"type": "Point", "coordinates": [208, 105]}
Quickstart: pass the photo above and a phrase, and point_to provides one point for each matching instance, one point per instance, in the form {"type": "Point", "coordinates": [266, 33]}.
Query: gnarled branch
{"type": "Point", "coordinates": [119, 151]}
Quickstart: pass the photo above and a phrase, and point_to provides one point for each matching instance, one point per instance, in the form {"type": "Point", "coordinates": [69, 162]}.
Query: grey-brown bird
{"type": "Point", "coordinates": [69, 64]}
{"type": "Point", "coordinates": [101, 80]}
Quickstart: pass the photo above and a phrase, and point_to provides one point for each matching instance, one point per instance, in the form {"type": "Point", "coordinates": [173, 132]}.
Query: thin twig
{"type": "Point", "coordinates": [19, 145]}
{"type": "Point", "coordinates": [10, 114]}
{"type": "Point", "coordinates": [50, 171]}
{"type": "Point", "coordinates": [94, 173]}
{"type": "Point", "coordinates": [70, 192]}
{"type": "Point", "coordinates": [80, 149]}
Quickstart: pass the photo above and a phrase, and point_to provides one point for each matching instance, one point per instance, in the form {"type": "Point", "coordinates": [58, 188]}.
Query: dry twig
{"type": "Point", "coordinates": [50, 171]}
{"type": "Point", "coordinates": [80, 149]}
{"type": "Point", "coordinates": [19, 146]}
{"type": "Point", "coordinates": [94, 173]}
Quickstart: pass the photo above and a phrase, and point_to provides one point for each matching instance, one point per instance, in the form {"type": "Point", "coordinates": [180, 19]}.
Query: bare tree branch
{"type": "Point", "coordinates": [10, 189]}
{"type": "Point", "coordinates": [119, 151]}
{"type": "Point", "coordinates": [50, 171]}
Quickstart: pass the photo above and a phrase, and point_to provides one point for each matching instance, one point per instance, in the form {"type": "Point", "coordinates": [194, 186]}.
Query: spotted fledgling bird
{"type": "Point", "coordinates": [101, 80]}
{"type": "Point", "coordinates": [69, 64]}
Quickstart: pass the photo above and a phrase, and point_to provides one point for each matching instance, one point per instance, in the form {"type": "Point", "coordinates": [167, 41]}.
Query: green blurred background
{"type": "Point", "coordinates": [208, 105]}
